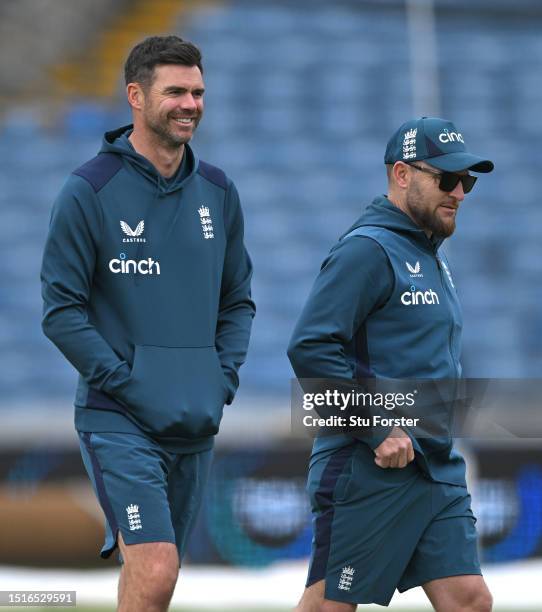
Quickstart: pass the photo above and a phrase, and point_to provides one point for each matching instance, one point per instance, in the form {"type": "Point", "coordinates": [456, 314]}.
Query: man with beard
{"type": "Point", "coordinates": [146, 288]}
{"type": "Point", "coordinates": [391, 510]}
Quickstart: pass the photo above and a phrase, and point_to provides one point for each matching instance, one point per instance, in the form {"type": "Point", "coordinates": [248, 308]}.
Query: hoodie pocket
{"type": "Point", "coordinates": [177, 391]}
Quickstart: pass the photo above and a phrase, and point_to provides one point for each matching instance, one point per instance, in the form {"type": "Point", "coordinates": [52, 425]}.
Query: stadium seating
{"type": "Point", "coordinates": [300, 104]}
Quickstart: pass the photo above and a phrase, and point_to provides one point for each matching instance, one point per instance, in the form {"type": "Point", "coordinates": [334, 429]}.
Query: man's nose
{"type": "Point", "coordinates": [458, 192]}
{"type": "Point", "coordinates": [188, 102]}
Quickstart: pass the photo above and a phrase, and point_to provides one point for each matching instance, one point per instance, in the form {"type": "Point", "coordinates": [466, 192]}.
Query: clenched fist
{"type": "Point", "coordinates": [396, 451]}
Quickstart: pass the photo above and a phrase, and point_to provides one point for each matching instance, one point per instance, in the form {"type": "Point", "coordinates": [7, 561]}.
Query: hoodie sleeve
{"type": "Point", "coordinates": [66, 279]}
{"type": "Point", "coordinates": [236, 309]}
{"type": "Point", "coordinates": [355, 279]}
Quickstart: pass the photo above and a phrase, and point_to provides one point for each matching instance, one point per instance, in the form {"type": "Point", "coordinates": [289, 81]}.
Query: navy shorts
{"type": "Point", "coordinates": [146, 492]}
{"type": "Point", "coordinates": [377, 530]}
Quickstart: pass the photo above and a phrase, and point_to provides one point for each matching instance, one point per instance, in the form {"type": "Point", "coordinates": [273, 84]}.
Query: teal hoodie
{"type": "Point", "coordinates": [146, 290]}
{"type": "Point", "coordinates": [384, 306]}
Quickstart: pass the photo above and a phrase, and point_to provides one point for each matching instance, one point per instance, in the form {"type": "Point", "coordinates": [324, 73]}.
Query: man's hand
{"type": "Point", "coordinates": [396, 451]}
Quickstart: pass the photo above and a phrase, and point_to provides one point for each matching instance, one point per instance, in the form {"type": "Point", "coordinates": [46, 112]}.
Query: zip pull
{"type": "Point", "coordinates": [140, 247]}
{"type": "Point", "coordinates": [446, 270]}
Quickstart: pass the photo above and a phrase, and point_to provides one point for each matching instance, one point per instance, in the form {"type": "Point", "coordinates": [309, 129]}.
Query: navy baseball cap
{"type": "Point", "coordinates": [436, 141]}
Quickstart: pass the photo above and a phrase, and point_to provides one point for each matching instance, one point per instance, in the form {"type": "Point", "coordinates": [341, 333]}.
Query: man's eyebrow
{"type": "Point", "coordinates": [179, 89]}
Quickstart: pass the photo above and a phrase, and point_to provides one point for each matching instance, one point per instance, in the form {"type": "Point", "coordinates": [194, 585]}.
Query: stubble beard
{"type": "Point", "coordinates": [425, 214]}
{"type": "Point", "coordinates": [164, 134]}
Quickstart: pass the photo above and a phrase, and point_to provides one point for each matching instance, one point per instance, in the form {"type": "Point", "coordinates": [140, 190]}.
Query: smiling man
{"type": "Point", "coordinates": [392, 511]}
{"type": "Point", "coordinates": [146, 289]}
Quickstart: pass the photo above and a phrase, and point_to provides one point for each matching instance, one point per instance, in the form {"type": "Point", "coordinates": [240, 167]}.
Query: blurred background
{"type": "Point", "coordinates": [301, 98]}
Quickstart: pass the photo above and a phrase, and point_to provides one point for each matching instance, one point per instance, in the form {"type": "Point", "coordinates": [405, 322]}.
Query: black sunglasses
{"type": "Point", "coordinates": [449, 180]}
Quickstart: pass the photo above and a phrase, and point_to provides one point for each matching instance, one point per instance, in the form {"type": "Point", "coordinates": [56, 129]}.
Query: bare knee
{"type": "Point", "coordinates": [476, 600]}
{"type": "Point", "coordinates": [151, 571]}
{"type": "Point", "coordinates": [467, 593]}
{"type": "Point", "coordinates": [313, 600]}
{"type": "Point", "coordinates": [326, 606]}
{"type": "Point", "coordinates": [481, 601]}
{"type": "Point", "coordinates": [159, 578]}
{"type": "Point", "coordinates": [335, 606]}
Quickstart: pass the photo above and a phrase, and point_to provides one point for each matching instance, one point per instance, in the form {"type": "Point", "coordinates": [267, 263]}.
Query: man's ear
{"type": "Point", "coordinates": [135, 95]}
{"type": "Point", "coordinates": [400, 173]}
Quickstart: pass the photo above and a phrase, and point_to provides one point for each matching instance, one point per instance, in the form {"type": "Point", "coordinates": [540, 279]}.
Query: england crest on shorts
{"type": "Point", "coordinates": [345, 581]}
{"type": "Point", "coordinates": [134, 519]}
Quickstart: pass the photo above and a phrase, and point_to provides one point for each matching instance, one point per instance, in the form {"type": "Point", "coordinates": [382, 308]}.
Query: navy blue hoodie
{"type": "Point", "coordinates": [384, 306]}
{"type": "Point", "coordinates": [146, 289]}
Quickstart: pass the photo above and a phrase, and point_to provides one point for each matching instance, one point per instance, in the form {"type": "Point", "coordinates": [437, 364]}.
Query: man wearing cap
{"type": "Point", "coordinates": [390, 510]}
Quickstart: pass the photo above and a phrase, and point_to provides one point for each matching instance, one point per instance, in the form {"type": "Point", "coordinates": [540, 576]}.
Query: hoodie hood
{"type": "Point", "coordinates": [382, 213]}
{"type": "Point", "coordinates": [117, 142]}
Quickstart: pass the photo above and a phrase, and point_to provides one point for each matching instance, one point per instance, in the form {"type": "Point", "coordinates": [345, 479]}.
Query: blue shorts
{"type": "Point", "coordinates": [377, 530]}
{"type": "Point", "coordinates": [149, 494]}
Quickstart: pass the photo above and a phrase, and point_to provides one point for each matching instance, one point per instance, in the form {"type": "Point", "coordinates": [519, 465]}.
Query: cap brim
{"type": "Point", "coordinates": [454, 162]}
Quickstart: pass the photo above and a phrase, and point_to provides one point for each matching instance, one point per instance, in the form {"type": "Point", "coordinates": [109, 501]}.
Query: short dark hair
{"type": "Point", "coordinates": [156, 50]}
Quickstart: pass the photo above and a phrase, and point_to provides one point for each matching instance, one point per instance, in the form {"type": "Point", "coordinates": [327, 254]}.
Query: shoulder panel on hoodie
{"type": "Point", "coordinates": [100, 169]}
{"type": "Point", "coordinates": [213, 174]}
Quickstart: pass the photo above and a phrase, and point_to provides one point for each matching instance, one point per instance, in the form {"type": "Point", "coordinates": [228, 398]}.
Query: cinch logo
{"type": "Point", "coordinates": [448, 136]}
{"type": "Point", "coordinates": [413, 297]}
{"type": "Point", "coordinates": [414, 270]}
{"type": "Point", "coordinates": [130, 266]}
{"type": "Point", "coordinates": [134, 234]}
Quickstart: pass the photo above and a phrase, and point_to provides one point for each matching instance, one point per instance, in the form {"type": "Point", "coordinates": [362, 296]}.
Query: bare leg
{"type": "Point", "coordinates": [148, 576]}
{"type": "Point", "coordinates": [313, 600]}
{"type": "Point", "coordinates": [122, 582]}
{"type": "Point", "coordinates": [467, 593]}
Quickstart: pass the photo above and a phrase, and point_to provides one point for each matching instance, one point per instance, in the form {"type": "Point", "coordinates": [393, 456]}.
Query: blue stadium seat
{"type": "Point", "coordinates": [299, 107]}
